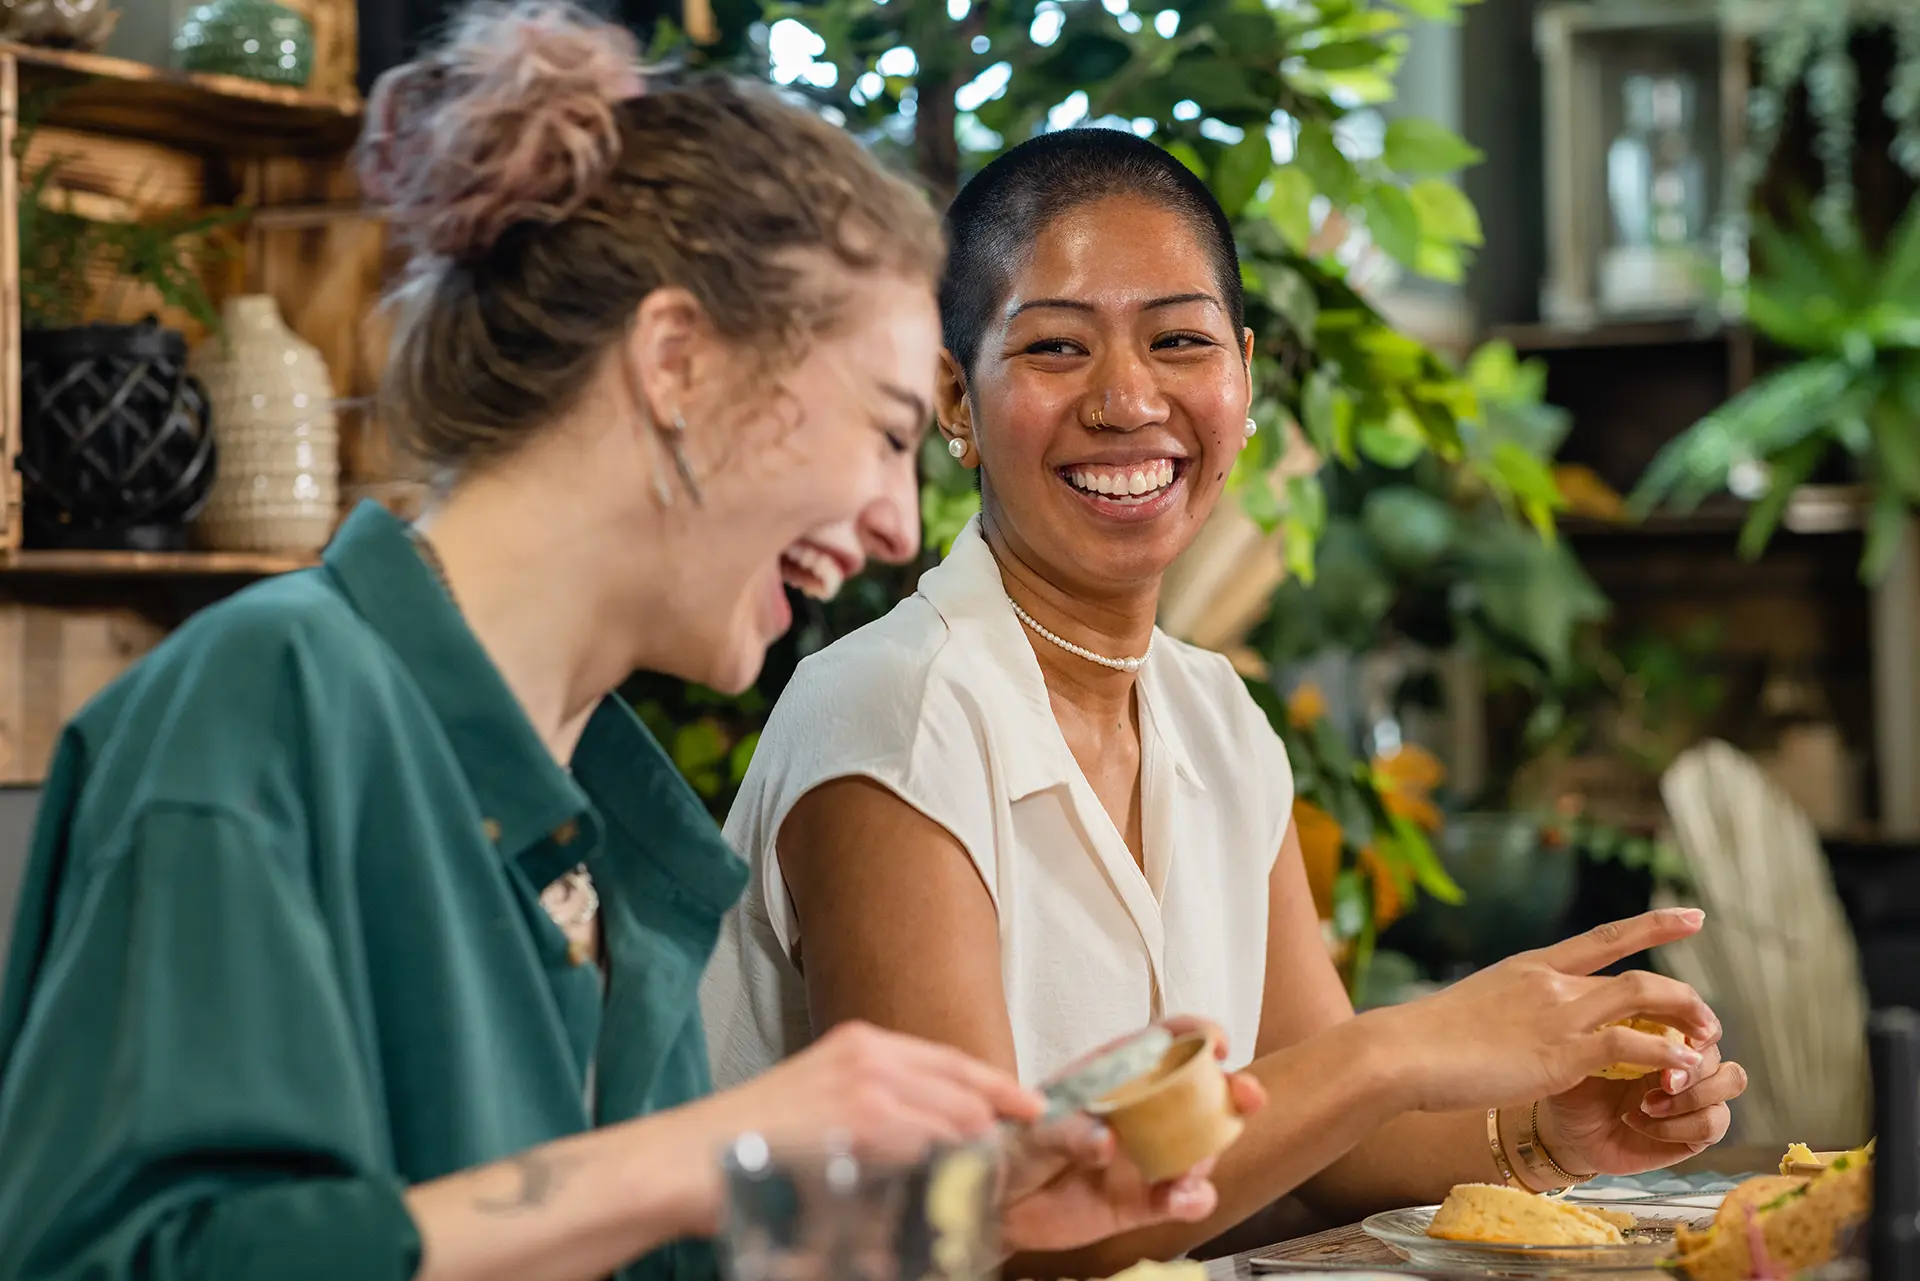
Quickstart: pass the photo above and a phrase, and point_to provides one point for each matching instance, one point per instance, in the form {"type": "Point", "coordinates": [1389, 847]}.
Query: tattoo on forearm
{"type": "Point", "coordinates": [539, 1177]}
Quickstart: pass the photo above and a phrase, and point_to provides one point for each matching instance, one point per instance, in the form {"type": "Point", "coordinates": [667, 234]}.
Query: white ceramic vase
{"type": "Point", "coordinates": [278, 484]}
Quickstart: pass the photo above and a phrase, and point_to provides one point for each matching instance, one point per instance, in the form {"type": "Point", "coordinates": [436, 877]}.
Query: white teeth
{"type": "Point", "coordinates": [1124, 482]}
{"type": "Point", "coordinates": [820, 574]}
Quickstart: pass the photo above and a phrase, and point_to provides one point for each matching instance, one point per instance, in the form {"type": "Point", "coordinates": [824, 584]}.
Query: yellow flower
{"type": "Point", "coordinates": [1388, 903]}
{"type": "Point", "coordinates": [1587, 494]}
{"type": "Point", "coordinates": [1406, 779]}
{"type": "Point", "coordinates": [1319, 837]}
{"type": "Point", "coordinates": [1305, 706]}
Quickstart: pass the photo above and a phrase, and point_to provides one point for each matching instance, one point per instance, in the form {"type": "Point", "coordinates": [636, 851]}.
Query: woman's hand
{"type": "Point", "coordinates": [887, 1096]}
{"type": "Point", "coordinates": [1067, 1185]}
{"type": "Point", "coordinates": [1630, 1127]}
{"type": "Point", "coordinates": [1535, 1025]}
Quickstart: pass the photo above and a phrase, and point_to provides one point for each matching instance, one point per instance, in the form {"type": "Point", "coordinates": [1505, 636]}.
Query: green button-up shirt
{"type": "Point", "coordinates": [280, 951]}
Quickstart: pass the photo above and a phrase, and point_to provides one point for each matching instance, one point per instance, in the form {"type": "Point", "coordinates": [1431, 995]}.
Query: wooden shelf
{"type": "Point", "coordinates": [1815, 509]}
{"type": "Point", "coordinates": [1655, 333]}
{"type": "Point", "coordinates": [117, 564]}
{"type": "Point", "coordinates": [223, 114]}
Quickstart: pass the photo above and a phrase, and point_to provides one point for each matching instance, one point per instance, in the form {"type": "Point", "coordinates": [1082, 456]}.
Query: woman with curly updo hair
{"type": "Point", "coordinates": [363, 925]}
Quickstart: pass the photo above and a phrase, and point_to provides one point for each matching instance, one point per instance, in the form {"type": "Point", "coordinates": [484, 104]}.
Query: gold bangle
{"type": "Point", "coordinates": [1499, 1147]}
{"type": "Point", "coordinates": [1534, 1142]}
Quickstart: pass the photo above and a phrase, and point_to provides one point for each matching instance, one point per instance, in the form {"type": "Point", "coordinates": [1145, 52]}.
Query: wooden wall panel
{"type": "Point", "coordinates": [336, 47]}
{"type": "Point", "coordinates": [53, 660]}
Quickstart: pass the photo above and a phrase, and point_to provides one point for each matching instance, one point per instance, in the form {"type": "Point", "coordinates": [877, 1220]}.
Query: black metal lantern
{"type": "Point", "coordinates": [116, 447]}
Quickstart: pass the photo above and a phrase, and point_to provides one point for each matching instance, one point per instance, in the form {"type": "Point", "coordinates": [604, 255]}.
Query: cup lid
{"type": "Point", "coordinates": [1100, 1074]}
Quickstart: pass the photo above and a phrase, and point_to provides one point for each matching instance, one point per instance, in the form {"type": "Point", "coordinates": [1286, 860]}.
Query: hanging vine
{"type": "Point", "coordinates": [1807, 42]}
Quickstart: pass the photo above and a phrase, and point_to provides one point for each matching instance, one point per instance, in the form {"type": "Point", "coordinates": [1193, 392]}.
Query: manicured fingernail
{"type": "Point", "coordinates": [1676, 1081]}
{"type": "Point", "coordinates": [1691, 915]}
{"type": "Point", "coordinates": [1656, 1105]}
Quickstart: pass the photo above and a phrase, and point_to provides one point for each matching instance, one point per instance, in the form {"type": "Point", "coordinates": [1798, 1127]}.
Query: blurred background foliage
{"type": "Point", "coordinates": [1428, 510]}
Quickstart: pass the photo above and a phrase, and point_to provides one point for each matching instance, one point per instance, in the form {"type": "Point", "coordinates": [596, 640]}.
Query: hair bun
{"type": "Point", "coordinates": [510, 119]}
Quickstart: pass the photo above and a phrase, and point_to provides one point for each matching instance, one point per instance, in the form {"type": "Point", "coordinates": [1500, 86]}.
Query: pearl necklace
{"type": "Point", "coordinates": [1117, 664]}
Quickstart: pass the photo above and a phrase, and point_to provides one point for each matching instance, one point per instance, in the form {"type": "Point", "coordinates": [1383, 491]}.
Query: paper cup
{"type": "Point", "coordinates": [1177, 1114]}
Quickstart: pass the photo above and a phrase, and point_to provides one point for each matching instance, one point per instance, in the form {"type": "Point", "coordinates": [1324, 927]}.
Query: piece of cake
{"type": "Point", "coordinates": [1634, 1071]}
{"type": "Point", "coordinates": [1496, 1215]}
{"type": "Point", "coordinates": [1776, 1225]}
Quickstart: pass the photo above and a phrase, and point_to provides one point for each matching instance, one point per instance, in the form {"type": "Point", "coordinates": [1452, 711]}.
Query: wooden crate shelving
{"type": "Point", "coordinates": [136, 139]}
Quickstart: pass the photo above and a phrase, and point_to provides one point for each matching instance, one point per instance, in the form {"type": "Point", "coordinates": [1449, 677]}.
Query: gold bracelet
{"type": "Point", "coordinates": [1499, 1147]}
{"type": "Point", "coordinates": [1534, 1143]}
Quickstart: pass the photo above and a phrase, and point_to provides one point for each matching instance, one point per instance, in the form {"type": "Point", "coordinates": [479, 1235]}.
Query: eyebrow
{"type": "Point", "coordinates": [921, 411]}
{"type": "Point", "coordinates": [1075, 304]}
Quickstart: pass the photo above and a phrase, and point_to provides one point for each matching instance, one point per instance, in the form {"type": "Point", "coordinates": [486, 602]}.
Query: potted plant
{"type": "Point", "coordinates": [1852, 317]}
{"type": "Point", "coordinates": [116, 449]}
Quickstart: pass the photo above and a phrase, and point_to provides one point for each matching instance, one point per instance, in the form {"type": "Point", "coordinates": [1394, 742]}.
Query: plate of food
{"type": "Point", "coordinates": [1504, 1230]}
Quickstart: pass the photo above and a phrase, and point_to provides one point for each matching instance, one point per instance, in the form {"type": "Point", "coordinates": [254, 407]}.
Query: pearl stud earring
{"type": "Point", "coordinates": [957, 447]}
{"type": "Point", "coordinates": [1253, 427]}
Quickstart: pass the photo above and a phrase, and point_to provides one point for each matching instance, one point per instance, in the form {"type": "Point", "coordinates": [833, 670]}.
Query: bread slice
{"type": "Point", "coordinates": [1498, 1215]}
{"type": "Point", "coordinates": [1790, 1223]}
{"type": "Point", "coordinates": [1634, 1071]}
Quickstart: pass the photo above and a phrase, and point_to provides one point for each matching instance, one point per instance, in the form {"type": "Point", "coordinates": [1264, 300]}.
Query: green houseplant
{"type": "Point", "coordinates": [116, 448]}
{"type": "Point", "coordinates": [1277, 108]}
{"type": "Point", "coordinates": [1852, 317]}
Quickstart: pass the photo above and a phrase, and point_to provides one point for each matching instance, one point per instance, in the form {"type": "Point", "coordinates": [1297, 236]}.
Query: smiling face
{"type": "Point", "coordinates": [820, 478]}
{"type": "Point", "coordinates": [1115, 319]}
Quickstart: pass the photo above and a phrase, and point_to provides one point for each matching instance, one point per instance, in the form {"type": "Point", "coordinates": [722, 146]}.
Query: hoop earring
{"type": "Point", "coordinates": [674, 436]}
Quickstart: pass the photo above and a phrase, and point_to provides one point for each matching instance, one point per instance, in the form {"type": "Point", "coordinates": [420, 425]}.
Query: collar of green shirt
{"type": "Point", "coordinates": [547, 818]}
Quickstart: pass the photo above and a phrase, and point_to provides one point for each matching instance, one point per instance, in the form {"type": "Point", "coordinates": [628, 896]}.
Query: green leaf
{"type": "Point", "coordinates": [697, 748]}
{"type": "Point", "coordinates": [1896, 438]}
{"type": "Point", "coordinates": [1328, 417]}
{"type": "Point", "coordinates": [1393, 222]}
{"type": "Point", "coordinates": [1242, 168]}
{"type": "Point", "coordinates": [741, 757]}
{"type": "Point", "coordinates": [1440, 261]}
{"type": "Point", "coordinates": [1186, 155]}
{"type": "Point", "coordinates": [1445, 212]}
{"type": "Point", "coordinates": [1494, 370]}
{"type": "Point", "coordinates": [1290, 206]}
{"type": "Point", "coordinates": [1422, 147]}
{"type": "Point", "coordinates": [1765, 419]}
{"type": "Point", "coordinates": [1886, 526]}
{"type": "Point", "coordinates": [1428, 873]}
{"type": "Point", "coordinates": [1352, 904]}
{"type": "Point", "coordinates": [1322, 160]}
{"type": "Point", "coordinates": [1306, 519]}
{"type": "Point", "coordinates": [1345, 55]}
{"type": "Point", "coordinates": [1789, 471]}
{"type": "Point", "coordinates": [1289, 293]}
{"type": "Point", "coordinates": [1434, 10]}
{"type": "Point", "coordinates": [1394, 443]}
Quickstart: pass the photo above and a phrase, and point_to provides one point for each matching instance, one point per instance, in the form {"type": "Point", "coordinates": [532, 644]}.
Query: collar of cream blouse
{"type": "Point", "coordinates": [992, 659]}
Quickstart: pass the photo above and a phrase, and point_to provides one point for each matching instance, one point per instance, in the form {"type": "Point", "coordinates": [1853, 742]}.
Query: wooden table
{"type": "Point", "coordinates": [1348, 1245]}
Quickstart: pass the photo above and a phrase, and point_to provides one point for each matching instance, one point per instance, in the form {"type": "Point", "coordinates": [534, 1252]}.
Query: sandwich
{"type": "Point", "coordinates": [1496, 1215]}
{"type": "Point", "coordinates": [1634, 1071]}
{"type": "Point", "coordinates": [1775, 1225]}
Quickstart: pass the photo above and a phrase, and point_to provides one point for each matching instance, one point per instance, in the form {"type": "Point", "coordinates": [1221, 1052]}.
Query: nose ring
{"type": "Point", "coordinates": [1099, 419]}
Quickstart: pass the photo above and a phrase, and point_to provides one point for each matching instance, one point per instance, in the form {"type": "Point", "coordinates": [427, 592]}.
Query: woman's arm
{"type": "Point", "coordinates": [188, 1098]}
{"type": "Point", "coordinates": [898, 928]}
{"type": "Point", "coordinates": [1412, 1159]}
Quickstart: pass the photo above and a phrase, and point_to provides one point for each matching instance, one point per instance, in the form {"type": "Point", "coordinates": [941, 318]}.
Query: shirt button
{"type": "Point", "coordinates": [490, 828]}
{"type": "Point", "coordinates": [564, 834]}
